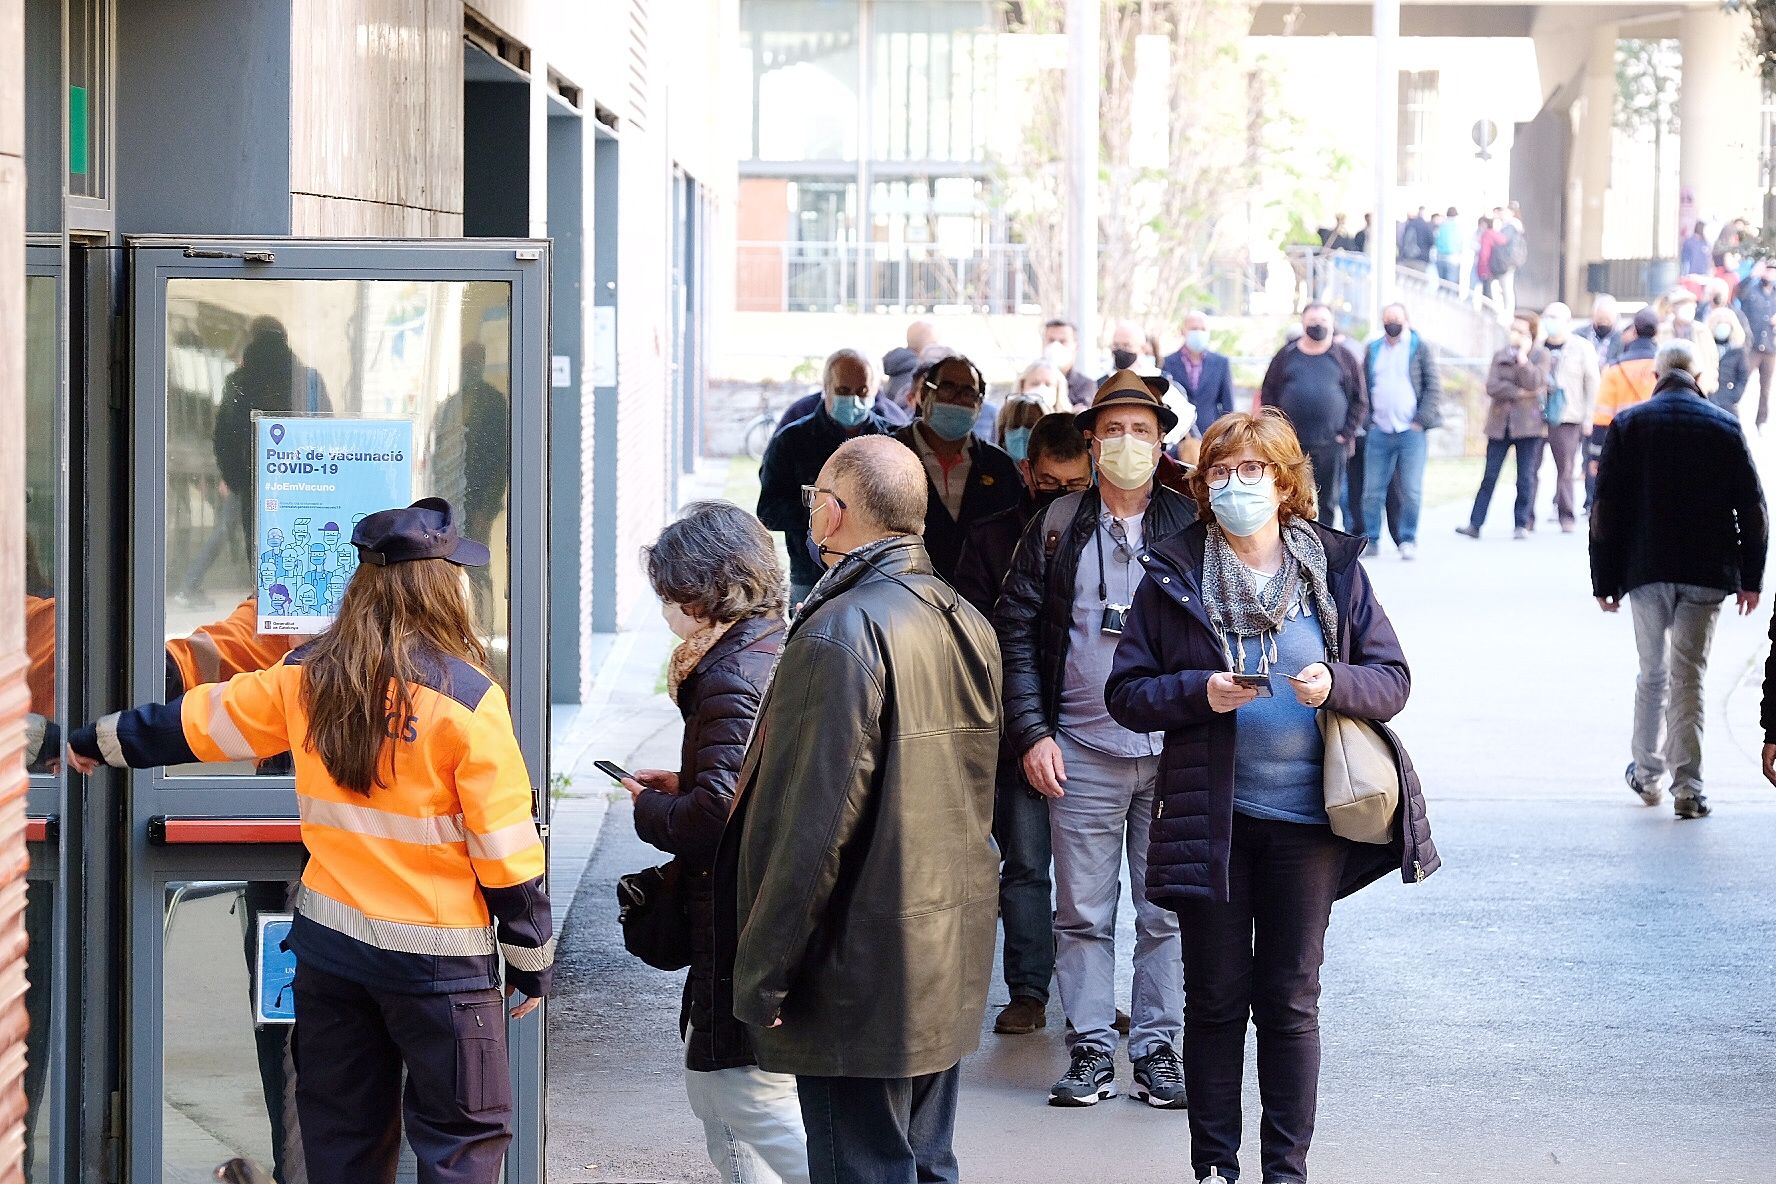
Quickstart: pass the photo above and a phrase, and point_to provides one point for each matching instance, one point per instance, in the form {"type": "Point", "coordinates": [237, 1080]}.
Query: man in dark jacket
{"type": "Point", "coordinates": [1757, 303]}
{"type": "Point", "coordinates": [1400, 372]}
{"type": "Point", "coordinates": [969, 478]}
{"type": "Point", "coordinates": [1057, 464]}
{"type": "Point", "coordinates": [1319, 386]}
{"type": "Point", "coordinates": [1058, 619]}
{"type": "Point", "coordinates": [1206, 376]}
{"type": "Point", "coordinates": [1679, 526]}
{"type": "Point", "coordinates": [796, 454]}
{"type": "Point", "coordinates": [861, 836]}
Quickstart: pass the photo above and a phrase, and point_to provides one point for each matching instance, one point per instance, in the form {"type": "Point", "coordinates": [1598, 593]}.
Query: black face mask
{"type": "Point", "coordinates": [1604, 328]}
{"type": "Point", "coordinates": [1317, 332]}
{"type": "Point", "coordinates": [1393, 328]}
{"type": "Point", "coordinates": [1122, 359]}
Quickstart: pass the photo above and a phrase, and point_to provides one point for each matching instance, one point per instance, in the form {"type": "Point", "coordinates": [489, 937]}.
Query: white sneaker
{"type": "Point", "coordinates": [1214, 1178]}
{"type": "Point", "coordinates": [1408, 551]}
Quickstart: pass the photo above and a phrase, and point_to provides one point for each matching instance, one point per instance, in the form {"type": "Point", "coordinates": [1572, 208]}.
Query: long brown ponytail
{"type": "Point", "coordinates": [359, 674]}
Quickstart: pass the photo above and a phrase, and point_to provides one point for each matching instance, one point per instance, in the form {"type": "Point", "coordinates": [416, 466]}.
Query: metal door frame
{"type": "Point", "coordinates": [152, 262]}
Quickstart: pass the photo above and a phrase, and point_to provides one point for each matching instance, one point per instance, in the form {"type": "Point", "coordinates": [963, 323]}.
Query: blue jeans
{"type": "Point", "coordinates": [1449, 270]}
{"type": "Point", "coordinates": [1026, 891]}
{"type": "Point", "coordinates": [865, 1130]}
{"type": "Point", "coordinates": [1384, 454]}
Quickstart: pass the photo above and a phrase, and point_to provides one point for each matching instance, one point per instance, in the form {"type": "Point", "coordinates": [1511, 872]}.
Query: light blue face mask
{"type": "Point", "coordinates": [1017, 443]}
{"type": "Point", "coordinates": [950, 421]}
{"type": "Point", "coordinates": [1244, 509]}
{"type": "Point", "coordinates": [1197, 341]}
{"type": "Point", "coordinates": [850, 410]}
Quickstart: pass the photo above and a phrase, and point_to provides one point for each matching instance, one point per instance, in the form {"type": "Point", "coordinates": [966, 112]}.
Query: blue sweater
{"type": "Point", "coordinates": [1279, 755]}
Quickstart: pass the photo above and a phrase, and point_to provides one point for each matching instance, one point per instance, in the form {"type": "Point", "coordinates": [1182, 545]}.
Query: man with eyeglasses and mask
{"type": "Point", "coordinates": [1059, 620]}
{"type": "Point", "coordinates": [1319, 385]}
{"type": "Point", "coordinates": [969, 478]}
{"type": "Point", "coordinates": [796, 454]}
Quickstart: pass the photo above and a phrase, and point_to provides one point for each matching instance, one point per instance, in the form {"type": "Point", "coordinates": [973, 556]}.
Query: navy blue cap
{"type": "Point", "coordinates": [425, 530]}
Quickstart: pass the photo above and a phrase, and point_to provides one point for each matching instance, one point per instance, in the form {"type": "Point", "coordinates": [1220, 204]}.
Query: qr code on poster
{"type": "Point", "coordinates": [271, 505]}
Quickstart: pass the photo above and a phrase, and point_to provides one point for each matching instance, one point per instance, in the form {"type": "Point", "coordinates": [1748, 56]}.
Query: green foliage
{"type": "Point", "coordinates": [1762, 37]}
{"type": "Point", "coordinates": [1647, 76]}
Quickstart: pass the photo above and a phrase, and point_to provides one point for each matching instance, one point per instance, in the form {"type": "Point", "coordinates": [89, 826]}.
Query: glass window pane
{"type": "Point", "coordinates": [434, 353]}
{"type": "Point", "coordinates": [41, 515]}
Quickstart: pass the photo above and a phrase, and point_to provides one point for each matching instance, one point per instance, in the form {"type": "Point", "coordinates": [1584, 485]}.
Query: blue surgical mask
{"type": "Point", "coordinates": [1017, 443]}
{"type": "Point", "coordinates": [850, 410]}
{"type": "Point", "coordinates": [1244, 509]}
{"type": "Point", "coordinates": [1197, 341]}
{"type": "Point", "coordinates": [950, 421]}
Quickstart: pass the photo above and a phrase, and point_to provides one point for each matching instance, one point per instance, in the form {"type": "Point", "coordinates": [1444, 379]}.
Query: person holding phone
{"type": "Point", "coordinates": [1241, 847]}
{"type": "Point", "coordinates": [407, 773]}
{"type": "Point", "coordinates": [722, 592]}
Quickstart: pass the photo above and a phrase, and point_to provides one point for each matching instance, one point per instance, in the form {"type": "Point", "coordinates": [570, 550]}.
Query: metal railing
{"type": "Point", "coordinates": [996, 279]}
{"type": "Point", "coordinates": [1457, 318]}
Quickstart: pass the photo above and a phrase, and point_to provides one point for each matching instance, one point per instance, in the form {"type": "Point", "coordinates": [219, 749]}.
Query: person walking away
{"type": "Point", "coordinates": [1241, 846]}
{"type": "Point", "coordinates": [1319, 386]}
{"type": "Point", "coordinates": [969, 478]}
{"type": "Point", "coordinates": [1757, 300]}
{"type": "Point", "coordinates": [1517, 384]}
{"type": "Point", "coordinates": [1059, 463]}
{"type": "Point", "coordinates": [1058, 620]}
{"type": "Point", "coordinates": [1728, 331]}
{"type": "Point", "coordinates": [721, 592]}
{"type": "Point", "coordinates": [1400, 371]}
{"type": "Point", "coordinates": [1417, 241]}
{"type": "Point", "coordinates": [1452, 247]}
{"type": "Point", "coordinates": [1685, 327]}
{"type": "Point", "coordinates": [1205, 375]}
{"type": "Point", "coordinates": [1060, 348]}
{"type": "Point", "coordinates": [795, 456]}
{"type": "Point", "coordinates": [1693, 255]}
{"type": "Point", "coordinates": [422, 784]}
{"type": "Point", "coordinates": [1679, 526]}
{"type": "Point", "coordinates": [1012, 426]}
{"type": "Point", "coordinates": [1571, 405]}
{"type": "Point", "coordinates": [859, 857]}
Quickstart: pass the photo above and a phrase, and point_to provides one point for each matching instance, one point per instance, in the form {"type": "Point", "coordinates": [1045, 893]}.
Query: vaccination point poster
{"type": "Point", "coordinates": [317, 478]}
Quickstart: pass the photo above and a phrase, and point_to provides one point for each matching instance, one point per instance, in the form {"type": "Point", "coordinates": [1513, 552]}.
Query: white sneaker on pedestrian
{"type": "Point", "coordinates": [1408, 552]}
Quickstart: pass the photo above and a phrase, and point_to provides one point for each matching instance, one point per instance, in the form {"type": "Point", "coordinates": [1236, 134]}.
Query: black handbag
{"type": "Point", "coordinates": [654, 910]}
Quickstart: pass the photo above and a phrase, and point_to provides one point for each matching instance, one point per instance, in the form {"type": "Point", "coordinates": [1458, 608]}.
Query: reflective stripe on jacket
{"type": "Point", "coordinates": [231, 646]}
{"type": "Point", "coordinates": [403, 884]}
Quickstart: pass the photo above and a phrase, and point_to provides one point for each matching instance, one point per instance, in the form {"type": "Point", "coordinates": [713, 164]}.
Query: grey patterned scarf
{"type": "Point", "coordinates": [1237, 607]}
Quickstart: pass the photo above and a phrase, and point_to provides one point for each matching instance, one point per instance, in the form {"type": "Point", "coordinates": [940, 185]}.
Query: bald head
{"type": "Point", "coordinates": [882, 485]}
{"type": "Point", "coordinates": [920, 334]}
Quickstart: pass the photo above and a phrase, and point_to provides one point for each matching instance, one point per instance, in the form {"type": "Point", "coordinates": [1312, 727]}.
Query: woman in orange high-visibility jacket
{"type": "Point", "coordinates": [425, 867]}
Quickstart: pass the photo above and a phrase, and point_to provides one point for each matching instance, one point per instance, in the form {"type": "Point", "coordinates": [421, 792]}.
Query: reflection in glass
{"type": "Point", "coordinates": [39, 991]}
{"type": "Point", "coordinates": [435, 353]}
{"type": "Point", "coordinates": [230, 1089]}
{"type": "Point", "coordinates": [43, 742]}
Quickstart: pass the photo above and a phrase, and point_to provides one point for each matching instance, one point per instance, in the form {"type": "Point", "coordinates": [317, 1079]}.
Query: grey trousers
{"type": "Point", "coordinates": [1673, 628]}
{"type": "Point", "coordinates": [1107, 810]}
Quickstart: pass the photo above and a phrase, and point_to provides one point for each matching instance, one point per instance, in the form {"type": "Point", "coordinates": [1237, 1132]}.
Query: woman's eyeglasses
{"type": "Point", "coordinates": [1250, 473]}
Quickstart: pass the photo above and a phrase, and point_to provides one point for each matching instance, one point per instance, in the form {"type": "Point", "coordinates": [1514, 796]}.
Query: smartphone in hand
{"type": "Point", "coordinates": [1254, 682]}
{"type": "Point", "coordinates": [615, 772]}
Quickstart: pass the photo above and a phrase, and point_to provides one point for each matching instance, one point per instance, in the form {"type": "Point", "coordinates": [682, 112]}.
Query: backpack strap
{"type": "Point", "coordinates": [1055, 521]}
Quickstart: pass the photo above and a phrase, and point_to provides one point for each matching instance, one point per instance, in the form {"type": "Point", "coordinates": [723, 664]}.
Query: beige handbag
{"type": "Point", "coordinates": [1362, 779]}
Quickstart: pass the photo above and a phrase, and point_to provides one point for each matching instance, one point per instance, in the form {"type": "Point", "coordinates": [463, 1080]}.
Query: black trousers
{"type": "Point", "coordinates": [1328, 470]}
{"type": "Point", "coordinates": [352, 1042]}
{"type": "Point", "coordinates": [1258, 956]}
{"type": "Point", "coordinates": [867, 1130]}
{"type": "Point", "coordinates": [1529, 459]}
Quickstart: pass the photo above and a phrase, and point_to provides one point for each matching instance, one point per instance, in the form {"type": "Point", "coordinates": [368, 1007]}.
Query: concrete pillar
{"type": "Point", "coordinates": [1719, 115]}
{"type": "Point", "coordinates": [1595, 116]}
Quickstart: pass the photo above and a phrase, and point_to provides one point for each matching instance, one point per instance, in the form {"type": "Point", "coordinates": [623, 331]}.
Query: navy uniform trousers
{"type": "Point", "coordinates": [352, 1042]}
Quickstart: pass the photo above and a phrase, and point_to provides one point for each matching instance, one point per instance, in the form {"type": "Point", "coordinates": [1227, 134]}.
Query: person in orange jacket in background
{"type": "Point", "coordinates": [425, 866]}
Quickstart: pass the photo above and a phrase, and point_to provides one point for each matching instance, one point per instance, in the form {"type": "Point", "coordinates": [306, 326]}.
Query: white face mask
{"type": "Point", "coordinates": [680, 622]}
{"type": "Point", "coordinates": [1127, 462]}
{"type": "Point", "coordinates": [1042, 393]}
{"type": "Point", "coordinates": [1058, 354]}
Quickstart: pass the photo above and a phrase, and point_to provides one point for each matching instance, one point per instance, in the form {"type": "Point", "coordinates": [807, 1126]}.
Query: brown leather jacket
{"type": "Point", "coordinates": [860, 853]}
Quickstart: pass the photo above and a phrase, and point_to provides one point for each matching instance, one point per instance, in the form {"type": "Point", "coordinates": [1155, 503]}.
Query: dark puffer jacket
{"type": "Point", "coordinates": [719, 700]}
{"type": "Point", "coordinates": [1160, 683]}
{"type": "Point", "coordinates": [1034, 617]}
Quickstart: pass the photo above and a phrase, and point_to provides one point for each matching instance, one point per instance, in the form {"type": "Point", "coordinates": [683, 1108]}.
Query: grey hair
{"type": "Point", "coordinates": [1676, 354]}
{"type": "Point", "coordinates": [847, 355]}
{"type": "Point", "coordinates": [718, 562]}
{"type": "Point", "coordinates": [885, 483]}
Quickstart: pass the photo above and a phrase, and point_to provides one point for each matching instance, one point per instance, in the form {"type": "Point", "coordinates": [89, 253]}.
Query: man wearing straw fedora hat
{"type": "Point", "coordinates": [1059, 619]}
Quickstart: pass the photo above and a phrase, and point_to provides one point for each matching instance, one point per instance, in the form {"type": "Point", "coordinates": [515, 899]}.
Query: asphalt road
{"type": "Point", "coordinates": [1583, 993]}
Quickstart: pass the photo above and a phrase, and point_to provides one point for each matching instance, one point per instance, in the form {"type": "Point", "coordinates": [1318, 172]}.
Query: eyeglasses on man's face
{"type": "Point", "coordinates": [962, 394]}
{"type": "Point", "coordinates": [1250, 473]}
{"type": "Point", "coordinates": [1046, 484]}
{"type": "Point", "coordinates": [810, 493]}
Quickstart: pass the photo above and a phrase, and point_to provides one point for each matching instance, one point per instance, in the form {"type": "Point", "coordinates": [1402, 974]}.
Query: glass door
{"type": "Point", "coordinates": [427, 363]}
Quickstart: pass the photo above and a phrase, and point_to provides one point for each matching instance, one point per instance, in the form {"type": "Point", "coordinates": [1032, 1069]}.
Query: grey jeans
{"type": "Point", "coordinates": [1107, 810]}
{"type": "Point", "coordinates": [1673, 628]}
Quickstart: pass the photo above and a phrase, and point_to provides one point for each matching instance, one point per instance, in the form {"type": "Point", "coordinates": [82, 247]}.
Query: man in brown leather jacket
{"type": "Point", "coordinates": [860, 845]}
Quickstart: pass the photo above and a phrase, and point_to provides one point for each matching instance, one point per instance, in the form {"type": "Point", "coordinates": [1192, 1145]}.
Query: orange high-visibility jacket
{"type": "Point", "coordinates": [1626, 383]}
{"type": "Point", "coordinates": [403, 885]}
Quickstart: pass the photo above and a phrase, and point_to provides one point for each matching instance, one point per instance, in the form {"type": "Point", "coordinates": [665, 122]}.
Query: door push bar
{"type": "Point", "coordinates": [169, 832]}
